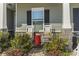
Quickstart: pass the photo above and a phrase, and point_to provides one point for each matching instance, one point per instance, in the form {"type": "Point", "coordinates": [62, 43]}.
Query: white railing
{"type": "Point", "coordinates": [30, 28]}
{"type": "Point", "coordinates": [25, 28]}
{"type": "Point", "coordinates": [47, 28]}
{"type": "Point", "coordinates": [56, 26]}
{"type": "Point", "coordinates": [22, 28]}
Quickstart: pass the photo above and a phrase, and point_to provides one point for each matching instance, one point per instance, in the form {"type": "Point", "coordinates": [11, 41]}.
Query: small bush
{"type": "Point", "coordinates": [22, 42]}
{"type": "Point", "coordinates": [56, 46]}
{"type": "Point", "coordinates": [4, 41]}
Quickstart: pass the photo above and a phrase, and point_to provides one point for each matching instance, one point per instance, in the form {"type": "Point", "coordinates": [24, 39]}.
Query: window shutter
{"type": "Point", "coordinates": [29, 17]}
{"type": "Point", "coordinates": [46, 17]}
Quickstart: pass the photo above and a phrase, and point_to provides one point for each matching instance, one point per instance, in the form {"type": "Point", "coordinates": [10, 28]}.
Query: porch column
{"type": "Point", "coordinates": [16, 16]}
{"type": "Point", "coordinates": [66, 25]}
{"type": "Point", "coordinates": [3, 19]}
{"type": "Point", "coordinates": [66, 16]}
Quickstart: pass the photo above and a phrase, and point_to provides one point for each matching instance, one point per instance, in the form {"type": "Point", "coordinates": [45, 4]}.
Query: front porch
{"type": "Point", "coordinates": [54, 19]}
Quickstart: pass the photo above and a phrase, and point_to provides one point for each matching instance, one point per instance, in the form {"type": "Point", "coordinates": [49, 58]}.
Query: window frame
{"type": "Point", "coordinates": [41, 8]}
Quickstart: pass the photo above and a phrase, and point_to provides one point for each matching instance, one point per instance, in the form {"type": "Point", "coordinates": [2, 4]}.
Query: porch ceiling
{"type": "Point", "coordinates": [31, 5]}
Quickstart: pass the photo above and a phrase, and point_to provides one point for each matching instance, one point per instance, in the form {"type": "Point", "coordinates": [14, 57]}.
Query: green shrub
{"type": "Point", "coordinates": [4, 41]}
{"type": "Point", "coordinates": [56, 46]}
{"type": "Point", "coordinates": [22, 42]}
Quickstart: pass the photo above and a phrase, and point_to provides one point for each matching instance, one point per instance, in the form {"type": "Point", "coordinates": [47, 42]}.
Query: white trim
{"type": "Point", "coordinates": [43, 19]}
{"type": "Point", "coordinates": [74, 31]}
{"type": "Point", "coordinates": [16, 17]}
{"type": "Point", "coordinates": [66, 16]}
{"type": "Point", "coordinates": [5, 15]}
{"type": "Point", "coordinates": [72, 26]}
{"type": "Point", "coordinates": [72, 23]}
{"type": "Point", "coordinates": [37, 20]}
{"type": "Point", "coordinates": [3, 18]}
{"type": "Point", "coordinates": [37, 9]}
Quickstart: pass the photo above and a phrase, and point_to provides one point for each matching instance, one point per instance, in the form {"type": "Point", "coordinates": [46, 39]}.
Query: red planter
{"type": "Point", "coordinates": [37, 39]}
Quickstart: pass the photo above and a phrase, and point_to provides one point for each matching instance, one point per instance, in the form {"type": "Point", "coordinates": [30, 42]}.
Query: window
{"type": "Point", "coordinates": [37, 14]}
{"type": "Point", "coordinates": [37, 18]}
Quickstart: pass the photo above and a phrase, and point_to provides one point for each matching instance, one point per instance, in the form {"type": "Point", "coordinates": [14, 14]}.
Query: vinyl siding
{"type": "Point", "coordinates": [55, 12]}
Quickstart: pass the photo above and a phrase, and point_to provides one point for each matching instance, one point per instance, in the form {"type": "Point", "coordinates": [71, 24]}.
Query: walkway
{"type": "Point", "coordinates": [36, 52]}
{"type": "Point", "coordinates": [76, 51]}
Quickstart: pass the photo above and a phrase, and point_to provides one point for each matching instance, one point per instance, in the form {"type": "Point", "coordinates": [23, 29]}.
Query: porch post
{"type": "Point", "coordinates": [15, 17]}
{"type": "Point", "coordinates": [66, 16]}
{"type": "Point", "coordinates": [3, 19]}
{"type": "Point", "coordinates": [66, 25]}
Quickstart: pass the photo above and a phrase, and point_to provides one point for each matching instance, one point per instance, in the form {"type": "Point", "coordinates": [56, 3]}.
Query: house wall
{"type": "Point", "coordinates": [55, 12]}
